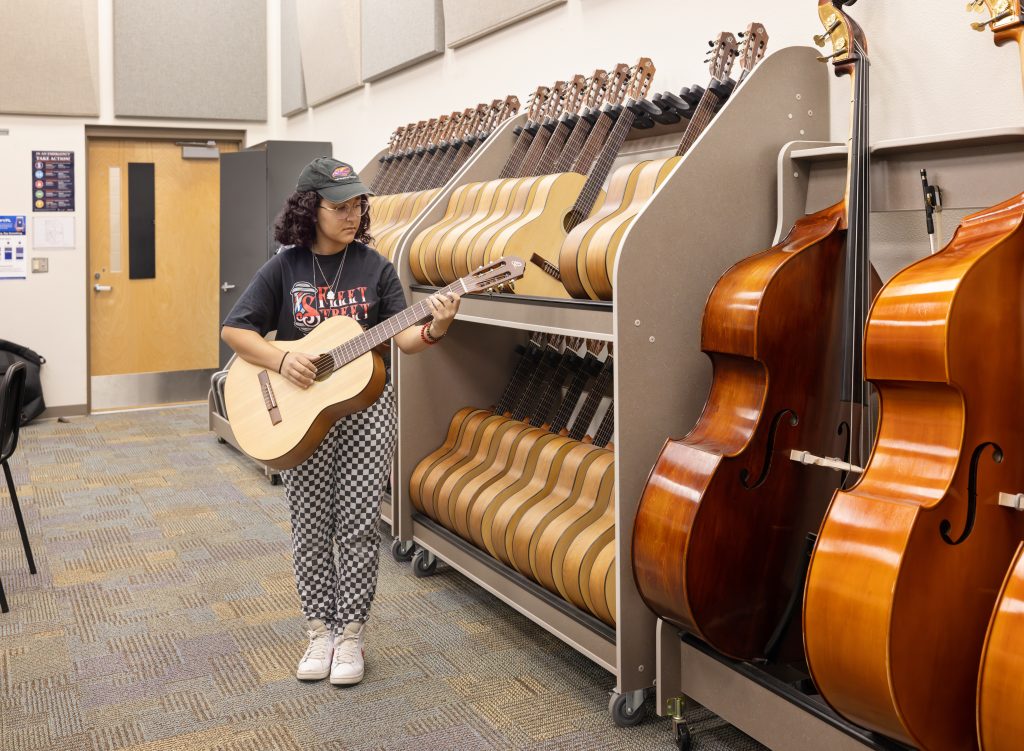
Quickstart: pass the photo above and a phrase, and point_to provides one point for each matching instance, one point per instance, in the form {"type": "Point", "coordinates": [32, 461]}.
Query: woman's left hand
{"type": "Point", "coordinates": [443, 306]}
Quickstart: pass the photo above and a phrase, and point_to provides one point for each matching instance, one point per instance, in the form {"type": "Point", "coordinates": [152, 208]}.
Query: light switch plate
{"type": "Point", "coordinates": [40, 265]}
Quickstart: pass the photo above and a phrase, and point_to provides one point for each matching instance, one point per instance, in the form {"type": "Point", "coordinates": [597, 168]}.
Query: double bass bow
{"type": "Point", "coordinates": [909, 561]}
{"type": "Point", "coordinates": [718, 542]}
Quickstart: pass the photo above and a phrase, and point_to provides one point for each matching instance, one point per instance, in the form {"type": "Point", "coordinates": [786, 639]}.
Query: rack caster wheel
{"type": "Point", "coordinates": [221, 440]}
{"type": "Point", "coordinates": [682, 737]}
{"type": "Point", "coordinates": [275, 479]}
{"type": "Point", "coordinates": [401, 551]}
{"type": "Point", "coordinates": [423, 563]}
{"type": "Point", "coordinates": [627, 709]}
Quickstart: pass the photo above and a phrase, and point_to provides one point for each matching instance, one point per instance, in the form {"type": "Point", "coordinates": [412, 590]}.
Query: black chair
{"type": "Point", "coordinates": [12, 393]}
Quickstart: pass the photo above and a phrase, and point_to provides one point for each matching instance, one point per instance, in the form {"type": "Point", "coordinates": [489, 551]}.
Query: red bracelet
{"type": "Point", "coordinates": [426, 336]}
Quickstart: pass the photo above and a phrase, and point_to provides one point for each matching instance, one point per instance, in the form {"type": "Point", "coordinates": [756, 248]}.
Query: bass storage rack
{"type": "Point", "coordinates": [681, 242]}
{"type": "Point", "coordinates": [974, 170]}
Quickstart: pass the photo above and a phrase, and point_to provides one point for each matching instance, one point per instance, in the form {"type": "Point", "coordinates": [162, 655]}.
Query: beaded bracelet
{"type": "Point", "coordinates": [428, 338]}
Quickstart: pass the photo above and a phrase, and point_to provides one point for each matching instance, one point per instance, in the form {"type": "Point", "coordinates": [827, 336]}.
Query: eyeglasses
{"type": "Point", "coordinates": [360, 209]}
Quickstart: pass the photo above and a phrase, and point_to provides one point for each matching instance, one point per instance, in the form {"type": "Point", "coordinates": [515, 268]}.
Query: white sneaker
{"type": "Point", "coordinates": [316, 663]}
{"type": "Point", "coordinates": [348, 655]}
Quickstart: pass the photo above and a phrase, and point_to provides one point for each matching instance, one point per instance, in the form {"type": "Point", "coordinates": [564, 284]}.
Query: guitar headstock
{"type": "Point", "coordinates": [641, 78]}
{"type": "Point", "coordinates": [509, 107]}
{"type": "Point", "coordinates": [536, 104]}
{"type": "Point", "coordinates": [556, 100]}
{"type": "Point", "coordinates": [755, 43]}
{"type": "Point", "coordinates": [847, 37]}
{"type": "Point", "coordinates": [722, 55]}
{"type": "Point", "coordinates": [573, 342]}
{"type": "Point", "coordinates": [595, 346]}
{"type": "Point", "coordinates": [618, 81]}
{"type": "Point", "coordinates": [575, 92]}
{"type": "Point", "coordinates": [1004, 18]}
{"type": "Point", "coordinates": [495, 274]}
{"type": "Point", "coordinates": [596, 86]}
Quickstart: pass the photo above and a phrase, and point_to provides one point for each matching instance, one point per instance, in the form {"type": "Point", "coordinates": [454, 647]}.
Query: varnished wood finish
{"type": "Point", "coordinates": [308, 413]}
{"type": "Point", "coordinates": [1000, 688]}
{"type": "Point", "coordinates": [710, 554]}
{"type": "Point", "coordinates": [890, 606]}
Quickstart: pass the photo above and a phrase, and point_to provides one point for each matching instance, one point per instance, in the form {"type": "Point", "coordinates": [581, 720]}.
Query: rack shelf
{"type": "Point", "coordinates": [669, 260]}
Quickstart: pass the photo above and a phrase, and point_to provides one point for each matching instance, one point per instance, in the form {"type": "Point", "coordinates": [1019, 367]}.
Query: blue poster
{"type": "Point", "coordinates": [12, 225]}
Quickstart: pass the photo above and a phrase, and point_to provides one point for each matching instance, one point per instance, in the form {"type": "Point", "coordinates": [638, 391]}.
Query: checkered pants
{"type": "Point", "coordinates": [334, 498]}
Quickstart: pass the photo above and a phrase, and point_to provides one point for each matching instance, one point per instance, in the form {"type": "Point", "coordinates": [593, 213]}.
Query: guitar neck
{"type": "Point", "coordinates": [556, 145]}
{"type": "Point", "coordinates": [572, 148]}
{"type": "Point", "coordinates": [591, 403]}
{"type": "Point", "coordinates": [599, 171]}
{"type": "Point", "coordinates": [603, 436]}
{"type": "Point", "coordinates": [386, 330]}
{"type": "Point", "coordinates": [595, 140]}
{"type": "Point", "coordinates": [528, 359]}
{"type": "Point", "coordinates": [573, 393]}
{"type": "Point", "coordinates": [536, 150]}
{"type": "Point", "coordinates": [522, 145]}
{"type": "Point", "coordinates": [554, 388]}
{"type": "Point", "coordinates": [702, 115]}
{"type": "Point", "coordinates": [530, 398]}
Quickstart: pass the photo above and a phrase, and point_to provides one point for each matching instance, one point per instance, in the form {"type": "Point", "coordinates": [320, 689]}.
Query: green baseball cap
{"type": "Point", "coordinates": [333, 180]}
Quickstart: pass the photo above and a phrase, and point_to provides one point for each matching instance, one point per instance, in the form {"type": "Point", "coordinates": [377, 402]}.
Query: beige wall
{"type": "Point", "coordinates": [930, 74]}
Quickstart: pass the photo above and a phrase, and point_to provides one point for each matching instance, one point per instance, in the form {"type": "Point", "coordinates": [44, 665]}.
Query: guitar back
{"type": "Point", "coordinates": [305, 415]}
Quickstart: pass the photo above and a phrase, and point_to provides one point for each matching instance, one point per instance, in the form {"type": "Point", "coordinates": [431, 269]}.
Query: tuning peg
{"type": "Point", "coordinates": [981, 25]}
{"type": "Point", "coordinates": [826, 58]}
{"type": "Point", "coordinates": [741, 34]}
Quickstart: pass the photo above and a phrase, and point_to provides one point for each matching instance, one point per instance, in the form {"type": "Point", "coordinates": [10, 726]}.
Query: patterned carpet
{"type": "Point", "coordinates": [164, 617]}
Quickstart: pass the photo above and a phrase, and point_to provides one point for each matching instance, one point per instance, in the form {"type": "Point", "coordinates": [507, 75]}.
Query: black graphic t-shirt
{"type": "Point", "coordinates": [291, 295]}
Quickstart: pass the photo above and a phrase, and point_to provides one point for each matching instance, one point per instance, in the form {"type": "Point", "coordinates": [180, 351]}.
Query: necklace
{"type": "Point", "coordinates": [337, 276]}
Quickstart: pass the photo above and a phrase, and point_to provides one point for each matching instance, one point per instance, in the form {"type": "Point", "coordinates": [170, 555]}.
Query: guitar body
{"type": "Point", "coordinates": [573, 576]}
{"type": "Point", "coordinates": [601, 590]}
{"type": "Point", "coordinates": [306, 414]}
{"type": "Point", "coordinates": [472, 212]}
{"type": "Point", "coordinates": [550, 501]}
{"type": "Point", "coordinates": [603, 249]}
{"type": "Point", "coordinates": [720, 526]}
{"type": "Point", "coordinates": [622, 184]}
{"type": "Point", "coordinates": [414, 203]}
{"type": "Point", "coordinates": [421, 252]}
{"type": "Point", "coordinates": [463, 236]}
{"type": "Point", "coordinates": [456, 430]}
{"type": "Point", "coordinates": [541, 230]}
{"type": "Point", "coordinates": [1000, 689]}
{"type": "Point", "coordinates": [516, 204]}
{"type": "Point", "coordinates": [529, 490]}
{"type": "Point", "coordinates": [463, 450]}
{"type": "Point", "coordinates": [909, 561]}
{"type": "Point", "coordinates": [465, 466]}
{"type": "Point", "coordinates": [550, 542]}
{"type": "Point", "coordinates": [493, 452]}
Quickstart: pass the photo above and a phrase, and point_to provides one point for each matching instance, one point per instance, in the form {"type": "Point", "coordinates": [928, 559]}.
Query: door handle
{"type": "Point", "coordinates": [102, 287]}
{"type": "Point", "coordinates": [226, 286]}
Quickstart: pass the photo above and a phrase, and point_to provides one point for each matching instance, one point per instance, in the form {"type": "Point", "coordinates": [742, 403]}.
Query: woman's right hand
{"type": "Point", "coordinates": [298, 368]}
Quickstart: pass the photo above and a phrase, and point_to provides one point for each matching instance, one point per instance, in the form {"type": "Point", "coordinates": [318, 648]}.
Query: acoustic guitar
{"type": "Point", "coordinates": [281, 424]}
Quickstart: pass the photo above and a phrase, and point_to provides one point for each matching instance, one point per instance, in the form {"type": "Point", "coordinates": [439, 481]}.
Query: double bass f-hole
{"type": "Point", "coordinates": [972, 494]}
{"type": "Point", "coordinates": [794, 420]}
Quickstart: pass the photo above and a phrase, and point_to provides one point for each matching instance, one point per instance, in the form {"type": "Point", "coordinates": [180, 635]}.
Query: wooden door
{"type": "Point", "coordinates": [169, 322]}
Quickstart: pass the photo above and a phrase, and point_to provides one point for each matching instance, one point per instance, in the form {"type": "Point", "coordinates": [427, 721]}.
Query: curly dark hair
{"type": "Point", "coordinates": [296, 224]}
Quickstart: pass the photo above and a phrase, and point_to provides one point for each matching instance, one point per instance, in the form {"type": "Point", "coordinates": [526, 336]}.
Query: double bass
{"type": "Point", "coordinates": [910, 560]}
{"type": "Point", "coordinates": [718, 540]}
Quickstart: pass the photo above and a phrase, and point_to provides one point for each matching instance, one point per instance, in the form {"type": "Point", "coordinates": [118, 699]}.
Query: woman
{"type": "Point", "coordinates": [327, 269]}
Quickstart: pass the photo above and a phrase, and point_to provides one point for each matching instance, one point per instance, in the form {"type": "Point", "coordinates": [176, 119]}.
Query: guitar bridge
{"type": "Point", "coordinates": [268, 397]}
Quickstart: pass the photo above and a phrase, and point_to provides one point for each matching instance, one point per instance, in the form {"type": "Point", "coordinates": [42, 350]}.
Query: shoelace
{"type": "Point", "coordinates": [317, 649]}
{"type": "Point", "coordinates": [346, 651]}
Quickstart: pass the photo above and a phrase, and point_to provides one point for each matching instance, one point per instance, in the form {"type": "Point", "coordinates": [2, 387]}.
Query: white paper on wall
{"type": "Point", "coordinates": [53, 231]}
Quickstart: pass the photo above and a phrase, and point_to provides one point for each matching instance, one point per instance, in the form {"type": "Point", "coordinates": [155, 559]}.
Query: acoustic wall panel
{"type": "Point", "coordinates": [400, 33]}
{"type": "Point", "coordinates": [293, 89]}
{"type": "Point", "coordinates": [190, 59]}
{"type": "Point", "coordinates": [50, 57]}
{"type": "Point", "coordinates": [329, 37]}
{"type": "Point", "coordinates": [466, 20]}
